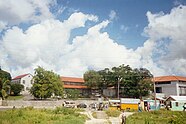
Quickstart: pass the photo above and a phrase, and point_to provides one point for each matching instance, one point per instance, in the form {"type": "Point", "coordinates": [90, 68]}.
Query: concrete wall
{"type": "Point", "coordinates": [168, 89]}
{"type": "Point", "coordinates": [44, 104]}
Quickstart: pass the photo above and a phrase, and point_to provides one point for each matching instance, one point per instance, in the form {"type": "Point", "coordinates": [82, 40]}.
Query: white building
{"type": "Point", "coordinates": [26, 80]}
{"type": "Point", "coordinates": [171, 85]}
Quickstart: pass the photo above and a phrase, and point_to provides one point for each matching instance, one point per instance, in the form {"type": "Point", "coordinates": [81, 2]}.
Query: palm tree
{"type": "Point", "coordinates": [4, 88]}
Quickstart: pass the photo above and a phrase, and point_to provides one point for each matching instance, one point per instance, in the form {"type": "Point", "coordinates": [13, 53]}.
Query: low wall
{"type": "Point", "coordinates": [42, 104]}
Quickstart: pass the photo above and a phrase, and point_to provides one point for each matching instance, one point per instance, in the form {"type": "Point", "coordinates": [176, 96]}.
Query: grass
{"type": "Point", "coordinates": [42, 116]}
{"type": "Point", "coordinates": [94, 114]}
{"type": "Point", "coordinates": [113, 113]}
{"type": "Point", "coordinates": [158, 117]}
{"type": "Point", "coordinates": [15, 97]}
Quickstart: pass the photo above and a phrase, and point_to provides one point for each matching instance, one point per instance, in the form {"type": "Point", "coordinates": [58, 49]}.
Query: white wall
{"type": "Point", "coordinates": [168, 89]}
{"type": "Point", "coordinates": [28, 82]}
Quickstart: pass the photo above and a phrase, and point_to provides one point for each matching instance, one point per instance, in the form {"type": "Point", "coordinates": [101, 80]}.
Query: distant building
{"type": "Point", "coordinates": [75, 83]}
{"type": "Point", "coordinates": [176, 103]}
{"type": "Point", "coordinates": [26, 80]}
{"type": "Point", "coordinates": [171, 85]}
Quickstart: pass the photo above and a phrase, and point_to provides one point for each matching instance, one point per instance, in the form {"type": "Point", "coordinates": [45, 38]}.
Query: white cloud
{"type": "Point", "coordinates": [170, 29]}
{"type": "Point", "coordinates": [47, 44]}
{"type": "Point", "coordinates": [112, 15]}
{"type": "Point", "coordinates": [14, 12]}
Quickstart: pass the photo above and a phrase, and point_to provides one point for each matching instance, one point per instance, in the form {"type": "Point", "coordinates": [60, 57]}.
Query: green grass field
{"type": "Point", "coordinates": [158, 117]}
{"type": "Point", "coordinates": [42, 116]}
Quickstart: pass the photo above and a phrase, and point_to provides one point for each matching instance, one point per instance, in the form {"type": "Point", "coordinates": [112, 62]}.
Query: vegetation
{"type": "Point", "coordinates": [133, 83]}
{"type": "Point", "coordinates": [46, 84]}
{"type": "Point", "coordinates": [15, 97]}
{"type": "Point", "coordinates": [5, 79]}
{"type": "Point", "coordinates": [113, 113]}
{"type": "Point", "coordinates": [72, 93]}
{"type": "Point", "coordinates": [158, 117]}
{"type": "Point", "coordinates": [42, 116]}
{"type": "Point", "coordinates": [16, 88]}
{"type": "Point", "coordinates": [94, 114]}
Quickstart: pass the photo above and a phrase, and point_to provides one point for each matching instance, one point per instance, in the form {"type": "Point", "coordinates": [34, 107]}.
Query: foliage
{"type": "Point", "coordinates": [5, 79]}
{"type": "Point", "coordinates": [133, 83]}
{"type": "Point", "coordinates": [46, 83]}
{"type": "Point", "coordinates": [113, 113]}
{"type": "Point", "coordinates": [72, 93]}
{"type": "Point", "coordinates": [92, 79]}
{"type": "Point", "coordinates": [16, 88]}
{"type": "Point", "coordinates": [15, 97]}
{"type": "Point", "coordinates": [43, 116]}
{"type": "Point", "coordinates": [158, 117]}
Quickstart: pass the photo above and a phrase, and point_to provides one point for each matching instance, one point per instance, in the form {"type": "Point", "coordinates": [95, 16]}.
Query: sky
{"type": "Point", "coordinates": [71, 37]}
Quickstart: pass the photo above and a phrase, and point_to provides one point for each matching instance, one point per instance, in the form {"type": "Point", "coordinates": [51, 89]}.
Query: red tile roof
{"type": "Point", "coordinates": [72, 79]}
{"type": "Point", "coordinates": [169, 78]}
{"type": "Point", "coordinates": [20, 76]}
{"type": "Point", "coordinates": [75, 86]}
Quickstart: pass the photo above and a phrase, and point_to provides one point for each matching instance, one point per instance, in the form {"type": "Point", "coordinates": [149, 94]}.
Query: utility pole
{"type": "Point", "coordinates": [154, 92]}
{"type": "Point", "coordinates": [118, 87]}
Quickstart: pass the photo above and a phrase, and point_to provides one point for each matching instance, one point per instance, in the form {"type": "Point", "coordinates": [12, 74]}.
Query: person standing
{"type": "Point", "coordinates": [123, 118]}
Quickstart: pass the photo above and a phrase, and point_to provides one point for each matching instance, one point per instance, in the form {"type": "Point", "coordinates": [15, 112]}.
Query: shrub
{"type": "Point", "coordinates": [16, 88]}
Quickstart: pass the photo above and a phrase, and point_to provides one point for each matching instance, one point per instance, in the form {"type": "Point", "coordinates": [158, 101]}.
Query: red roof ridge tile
{"type": "Point", "coordinates": [20, 76]}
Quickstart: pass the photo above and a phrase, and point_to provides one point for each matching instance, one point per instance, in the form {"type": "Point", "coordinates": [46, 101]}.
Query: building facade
{"type": "Point", "coordinates": [26, 80]}
{"type": "Point", "coordinates": [75, 83]}
{"type": "Point", "coordinates": [171, 85]}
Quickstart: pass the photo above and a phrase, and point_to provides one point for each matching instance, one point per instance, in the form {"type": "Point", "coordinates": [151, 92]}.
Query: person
{"type": "Point", "coordinates": [184, 107]}
{"type": "Point", "coordinates": [123, 117]}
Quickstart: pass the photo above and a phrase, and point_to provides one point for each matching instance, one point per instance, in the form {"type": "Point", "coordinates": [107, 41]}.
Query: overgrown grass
{"type": "Point", "coordinates": [15, 97]}
{"type": "Point", "coordinates": [113, 113]}
{"type": "Point", "coordinates": [158, 117]}
{"type": "Point", "coordinates": [42, 116]}
{"type": "Point", "coordinates": [94, 114]}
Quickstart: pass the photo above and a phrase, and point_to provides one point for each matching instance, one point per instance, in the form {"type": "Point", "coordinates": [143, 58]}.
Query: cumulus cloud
{"type": "Point", "coordinates": [169, 30]}
{"type": "Point", "coordinates": [47, 44]}
{"type": "Point", "coordinates": [14, 12]}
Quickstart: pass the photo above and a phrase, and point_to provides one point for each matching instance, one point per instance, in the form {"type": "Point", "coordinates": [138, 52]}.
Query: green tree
{"type": "Point", "coordinates": [92, 79]}
{"type": "Point", "coordinates": [72, 93]}
{"type": "Point", "coordinates": [16, 88]}
{"type": "Point", "coordinates": [5, 79]}
{"type": "Point", "coordinates": [46, 83]}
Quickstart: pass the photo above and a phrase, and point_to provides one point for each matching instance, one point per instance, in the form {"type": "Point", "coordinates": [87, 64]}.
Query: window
{"type": "Point", "coordinates": [23, 81]}
{"type": "Point", "coordinates": [158, 89]}
{"type": "Point", "coordinates": [176, 104]}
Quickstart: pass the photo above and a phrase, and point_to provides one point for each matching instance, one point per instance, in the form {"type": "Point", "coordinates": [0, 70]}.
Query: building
{"type": "Point", "coordinates": [76, 83]}
{"type": "Point", "coordinates": [26, 80]}
{"type": "Point", "coordinates": [171, 85]}
{"type": "Point", "coordinates": [129, 104]}
{"type": "Point", "coordinates": [176, 103]}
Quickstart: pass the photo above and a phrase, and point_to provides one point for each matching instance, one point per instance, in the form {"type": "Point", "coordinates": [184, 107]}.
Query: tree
{"type": "Point", "coordinates": [46, 83]}
{"type": "Point", "coordinates": [72, 93]}
{"type": "Point", "coordinates": [5, 79]}
{"type": "Point", "coordinates": [92, 79]}
{"type": "Point", "coordinates": [16, 88]}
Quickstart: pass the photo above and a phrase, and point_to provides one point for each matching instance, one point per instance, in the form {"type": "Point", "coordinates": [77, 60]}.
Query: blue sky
{"type": "Point", "coordinates": [129, 13]}
{"type": "Point", "coordinates": [73, 36]}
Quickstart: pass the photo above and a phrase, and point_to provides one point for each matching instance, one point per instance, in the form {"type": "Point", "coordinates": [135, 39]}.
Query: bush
{"type": "Point", "coordinates": [16, 88]}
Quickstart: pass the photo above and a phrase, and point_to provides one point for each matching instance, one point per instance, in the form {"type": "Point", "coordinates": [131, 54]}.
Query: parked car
{"type": "Point", "coordinates": [69, 104]}
{"type": "Point", "coordinates": [82, 105]}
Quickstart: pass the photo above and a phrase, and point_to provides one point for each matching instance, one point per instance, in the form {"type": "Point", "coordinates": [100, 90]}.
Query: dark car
{"type": "Point", "coordinates": [82, 105]}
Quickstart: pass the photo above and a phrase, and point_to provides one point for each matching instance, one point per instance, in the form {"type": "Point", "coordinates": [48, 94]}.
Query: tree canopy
{"type": "Point", "coordinates": [5, 79]}
{"type": "Point", "coordinates": [46, 84]}
{"type": "Point", "coordinates": [133, 83]}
